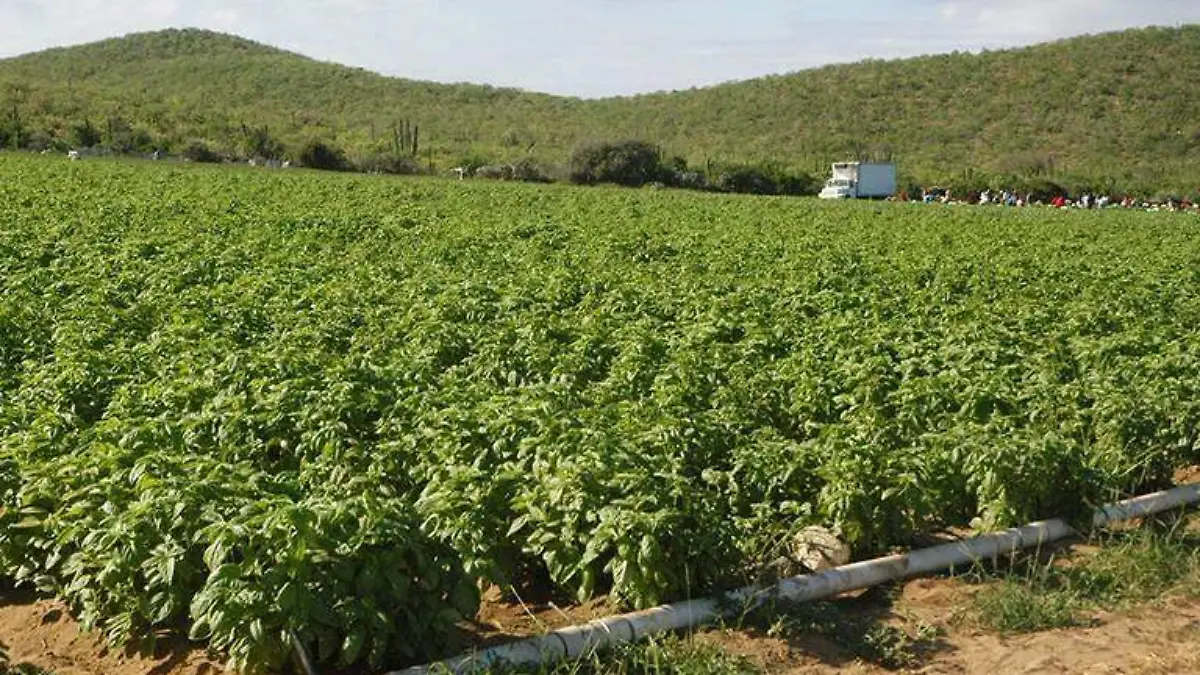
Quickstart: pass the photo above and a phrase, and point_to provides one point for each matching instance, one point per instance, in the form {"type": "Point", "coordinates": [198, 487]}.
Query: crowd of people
{"type": "Point", "coordinates": [938, 195]}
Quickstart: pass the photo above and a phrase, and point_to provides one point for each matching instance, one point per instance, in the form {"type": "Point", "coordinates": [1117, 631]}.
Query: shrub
{"type": "Point", "coordinates": [471, 162]}
{"type": "Point", "coordinates": [630, 163]}
{"type": "Point", "coordinates": [762, 179]}
{"type": "Point", "coordinates": [740, 178]}
{"type": "Point", "coordinates": [494, 172]}
{"type": "Point", "coordinates": [321, 155]}
{"type": "Point", "coordinates": [38, 141]}
{"type": "Point", "coordinates": [390, 163]}
{"type": "Point", "coordinates": [797, 183]}
{"type": "Point", "coordinates": [690, 180]}
{"type": "Point", "coordinates": [967, 187]}
{"type": "Point", "coordinates": [198, 151]}
{"type": "Point", "coordinates": [530, 171]}
{"type": "Point", "coordinates": [1041, 189]}
{"type": "Point", "coordinates": [675, 173]}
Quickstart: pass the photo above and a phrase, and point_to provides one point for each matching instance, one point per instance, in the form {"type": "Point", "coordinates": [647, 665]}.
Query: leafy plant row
{"type": "Point", "coordinates": [250, 406]}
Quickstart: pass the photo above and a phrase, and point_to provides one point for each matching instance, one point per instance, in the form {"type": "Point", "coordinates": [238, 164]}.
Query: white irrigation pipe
{"type": "Point", "coordinates": [302, 654]}
{"type": "Point", "coordinates": [582, 640]}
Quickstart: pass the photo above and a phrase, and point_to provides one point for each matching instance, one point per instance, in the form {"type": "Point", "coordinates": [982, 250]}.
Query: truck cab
{"type": "Point", "coordinates": [839, 188]}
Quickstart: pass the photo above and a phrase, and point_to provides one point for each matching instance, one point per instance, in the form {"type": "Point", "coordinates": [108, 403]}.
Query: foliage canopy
{"type": "Point", "coordinates": [263, 403]}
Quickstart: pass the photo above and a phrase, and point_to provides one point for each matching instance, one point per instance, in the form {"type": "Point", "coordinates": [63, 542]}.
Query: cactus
{"type": "Point", "coordinates": [405, 138]}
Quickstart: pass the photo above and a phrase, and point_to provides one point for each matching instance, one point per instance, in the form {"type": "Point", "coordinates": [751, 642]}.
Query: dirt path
{"type": "Point", "coordinates": [1162, 638]}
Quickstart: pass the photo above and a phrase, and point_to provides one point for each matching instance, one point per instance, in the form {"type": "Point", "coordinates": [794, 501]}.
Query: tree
{"type": "Point", "coordinates": [121, 136]}
{"type": "Point", "coordinates": [406, 138]}
{"type": "Point", "coordinates": [258, 142]}
{"type": "Point", "coordinates": [84, 135]}
{"type": "Point", "coordinates": [12, 123]}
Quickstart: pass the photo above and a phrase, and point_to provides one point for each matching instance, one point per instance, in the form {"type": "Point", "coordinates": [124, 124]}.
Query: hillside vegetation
{"type": "Point", "coordinates": [1113, 111]}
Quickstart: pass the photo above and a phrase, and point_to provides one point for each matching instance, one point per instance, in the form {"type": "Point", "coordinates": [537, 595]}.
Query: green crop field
{"type": "Point", "coordinates": [240, 403]}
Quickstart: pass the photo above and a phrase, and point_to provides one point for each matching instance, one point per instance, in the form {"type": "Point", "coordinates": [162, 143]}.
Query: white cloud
{"type": "Point", "coordinates": [36, 24]}
{"type": "Point", "coordinates": [225, 19]}
{"type": "Point", "coordinates": [1005, 22]}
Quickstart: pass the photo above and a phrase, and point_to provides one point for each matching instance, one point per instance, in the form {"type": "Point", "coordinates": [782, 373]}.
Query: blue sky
{"type": "Point", "coordinates": [592, 47]}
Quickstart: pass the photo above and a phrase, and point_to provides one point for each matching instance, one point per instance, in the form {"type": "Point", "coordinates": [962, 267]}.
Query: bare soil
{"type": "Point", "coordinates": [1160, 638]}
{"type": "Point", "coordinates": [43, 633]}
{"type": "Point", "coordinates": [1188, 475]}
{"type": "Point", "coordinates": [503, 619]}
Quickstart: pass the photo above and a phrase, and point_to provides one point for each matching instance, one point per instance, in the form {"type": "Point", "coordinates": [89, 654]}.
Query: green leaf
{"type": "Point", "coordinates": [352, 647]}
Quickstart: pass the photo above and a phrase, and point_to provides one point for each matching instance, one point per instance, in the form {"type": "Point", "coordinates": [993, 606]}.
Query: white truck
{"type": "Point", "coordinates": [861, 180]}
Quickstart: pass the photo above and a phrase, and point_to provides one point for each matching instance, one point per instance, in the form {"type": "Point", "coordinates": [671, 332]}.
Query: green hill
{"type": "Point", "coordinates": [1119, 107]}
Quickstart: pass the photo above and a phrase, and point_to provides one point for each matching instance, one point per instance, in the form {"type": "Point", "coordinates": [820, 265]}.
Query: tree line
{"type": "Point", "coordinates": [629, 162]}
